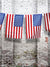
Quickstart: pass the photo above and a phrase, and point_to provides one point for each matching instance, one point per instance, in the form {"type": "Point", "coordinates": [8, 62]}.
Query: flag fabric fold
{"type": "Point", "coordinates": [33, 26]}
{"type": "Point", "coordinates": [47, 21]}
{"type": "Point", "coordinates": [14, 26]}
{"type": "Point", "coordinates": [2, 15]}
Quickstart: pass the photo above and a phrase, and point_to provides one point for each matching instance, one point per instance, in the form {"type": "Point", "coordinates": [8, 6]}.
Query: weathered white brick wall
{"type": "Point", "coordinates": [0, 40]}
{"type": "Point", "coordinates": [24, 7]}
{"type": "Point", "coordinates": [6, 8]}
{"type": "Point", "coordinates": [42, 45]}
{"type": "Point", "coordinates": [19, 7]}
{"type": "Point", "coordinates": [42, 6]}
{"type": "Point", "coordinates": [49, 37]}
{"type": "Point", "coordinates": [23, 46]}
{"type": "Point", "coordinates": [7, 45]}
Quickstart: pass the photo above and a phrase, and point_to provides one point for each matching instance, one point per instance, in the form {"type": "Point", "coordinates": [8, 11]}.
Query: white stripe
{"type": "Point", "coordinates": [39, 32]}
{"type": "Point", "coordinates": [48, 17]}
{"type": "Point", "coordinates": [35, 31]}
{"type": "Point", "coordinates": [17, 32]}
{"type": "Point", "coordinates": [46, 22]}
{"type": "Point", "coordinates": [49, 21]}
{"type": "Point", "coordinates": [20, 32]}
{"type": "Point", "coordinates": [12, 32]}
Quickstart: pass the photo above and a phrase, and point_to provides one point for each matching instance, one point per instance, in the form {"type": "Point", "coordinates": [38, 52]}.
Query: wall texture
{"type": "Point", "coordinates": [42, 44]}
{"type": "Point", "coordinates": [49, 37]}
{"type": "Point", "coordinates": [24, 48]}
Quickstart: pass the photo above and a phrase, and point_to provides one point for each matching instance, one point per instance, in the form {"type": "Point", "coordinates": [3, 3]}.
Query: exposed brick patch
{"type": "Point", "coordinates": [46, 39]}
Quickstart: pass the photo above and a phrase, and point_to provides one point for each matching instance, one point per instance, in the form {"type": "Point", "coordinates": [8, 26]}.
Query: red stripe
{"type": "Point", "coordinates": [9, 25]}
{"type": "Point", "coordinates": [19, 33]}
{"type": "Point", "coordinates": [31, 25]}
{"type": "Point", "coordinates": [26, 26]}
{"type": "Point", "coordinates": [45, 22]}
{"type": "Point", "coordinates": [12, 25]}
{"type": "Point", "coordinates": [6, 26]}
{"type": "Point", "coordinates": [49, 16]}
{"type": "Point", "coordinates": [34, 31]}
{"type": "Point", "coordinates": [49, 21]}
{"type": "Point", "coordinates": [0, 27]}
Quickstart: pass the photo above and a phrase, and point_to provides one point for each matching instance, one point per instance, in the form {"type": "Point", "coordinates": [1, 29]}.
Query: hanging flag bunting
{"type": "Point", "coordinates": [33, 26]}
{"type": "Point", "coordinates": [2, 15]}
{"type": "Point", "coordinates": [14, 26]}
{"type": "Point", "coordinates": [47, 21]}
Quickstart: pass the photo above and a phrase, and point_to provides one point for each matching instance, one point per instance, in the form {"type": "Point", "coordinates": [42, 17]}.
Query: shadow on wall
{"type": "Point", "coordinates": [43, 22]}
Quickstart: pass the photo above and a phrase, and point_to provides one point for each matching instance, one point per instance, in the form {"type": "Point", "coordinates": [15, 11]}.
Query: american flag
{"type": "Point", "coordinates": [33, 26]}
{"type": "Point", "coordinates": [47, 21]}
{"type": "Point", "coordinates": [2, 15]}
{"type": "Point", "coordinates": [14, 26]}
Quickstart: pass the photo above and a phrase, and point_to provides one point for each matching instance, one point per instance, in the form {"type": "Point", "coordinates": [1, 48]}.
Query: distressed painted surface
{"type": "Point", "coordinates": [49, 37]}
{"type": "Point", "coordinates": [24, 48]}
{"type": "Point", "coordinates": [42, 44]}
{"type": "Point", "coordinates": [42, 6]}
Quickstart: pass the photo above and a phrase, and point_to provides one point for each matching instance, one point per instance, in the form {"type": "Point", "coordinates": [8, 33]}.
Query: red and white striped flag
{"type": "Point", "coordinates": [47, 21]}
{"type": "Point", "coordinates": [14, 26]}
{"type": "Point", "coordinates": [33, 26]}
